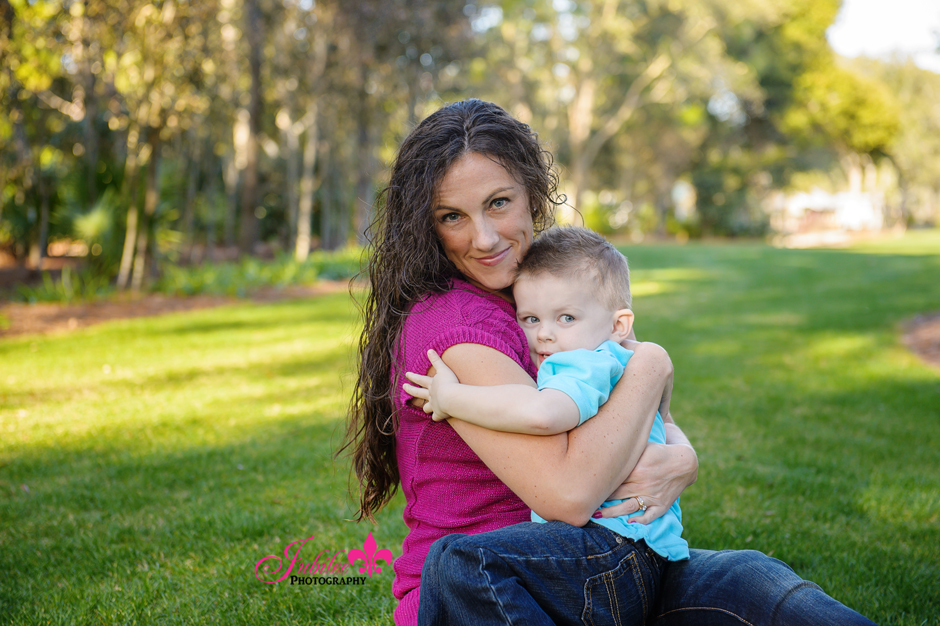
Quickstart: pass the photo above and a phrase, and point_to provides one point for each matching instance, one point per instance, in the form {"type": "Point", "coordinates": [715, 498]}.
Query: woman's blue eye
{"type": "Point", "coordinates": [500, 202]}
{"type": "Point", "coordinates": [449, 217]}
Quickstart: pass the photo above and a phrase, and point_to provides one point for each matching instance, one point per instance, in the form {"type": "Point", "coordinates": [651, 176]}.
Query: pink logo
{"type": "Point", "coordinates": [370, 556]}
{"type": "Point", "coordinates": [327, 567]}
{"type": "Point", "coordinates": [323, 564]}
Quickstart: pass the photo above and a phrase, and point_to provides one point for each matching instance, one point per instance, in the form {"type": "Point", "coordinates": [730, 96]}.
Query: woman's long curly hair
{"type": "Point", "coordinates": [407, 262]}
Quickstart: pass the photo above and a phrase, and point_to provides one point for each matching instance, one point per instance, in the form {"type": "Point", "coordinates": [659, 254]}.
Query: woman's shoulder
{"type": "Point", "coordinates": [462, 302]}
{"type": "Point", "coordinates": [463, 314]}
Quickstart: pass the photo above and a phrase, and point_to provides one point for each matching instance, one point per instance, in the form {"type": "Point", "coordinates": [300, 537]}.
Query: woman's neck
{"type": "Point", "coordinates": [505, 294]}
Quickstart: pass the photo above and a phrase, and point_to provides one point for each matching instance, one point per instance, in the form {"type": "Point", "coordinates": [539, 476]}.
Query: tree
{"type": "Point", "coordinates": [915, 148]}
{"type": "Point", "coordinates": [750, 147]}
{"type": "Point", "coordinates": [589, 69]}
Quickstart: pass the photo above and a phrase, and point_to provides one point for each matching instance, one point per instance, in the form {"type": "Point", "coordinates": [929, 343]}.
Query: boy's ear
{"type": "Point", "coordinates": [623, 324]}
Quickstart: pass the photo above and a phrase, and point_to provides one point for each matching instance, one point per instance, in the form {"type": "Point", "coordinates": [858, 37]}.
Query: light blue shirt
{"type": "Point", "coordinates": [587, 377]}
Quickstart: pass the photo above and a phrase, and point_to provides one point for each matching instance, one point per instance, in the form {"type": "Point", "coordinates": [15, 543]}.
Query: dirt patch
{"type": "Point", "coordinates": [922, 337]}
{"type": "Point", "coordinates": [45, 318]}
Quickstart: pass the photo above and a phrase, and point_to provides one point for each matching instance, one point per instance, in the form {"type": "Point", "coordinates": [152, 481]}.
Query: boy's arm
{"type": "Point", "coordinates": [506, 408]}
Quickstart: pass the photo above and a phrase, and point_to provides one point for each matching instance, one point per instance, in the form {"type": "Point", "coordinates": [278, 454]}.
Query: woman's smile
{"type": "Point", "coordinates": [494, 259]}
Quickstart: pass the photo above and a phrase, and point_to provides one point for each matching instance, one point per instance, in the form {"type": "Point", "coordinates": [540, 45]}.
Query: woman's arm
{"type": "Point", "coordinates": [566, 476]}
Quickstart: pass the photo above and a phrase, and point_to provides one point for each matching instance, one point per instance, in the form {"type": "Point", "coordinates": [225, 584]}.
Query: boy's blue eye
{"type": "Point", "coordinates": [531, 319]}
{"type": "Point", "coordinates": [567, 318]}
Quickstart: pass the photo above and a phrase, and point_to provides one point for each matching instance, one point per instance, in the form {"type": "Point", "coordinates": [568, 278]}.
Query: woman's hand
{"type": "Point", "coordinates": [659, 478]}
{"type": "Point", "coordinates": [432, 389]}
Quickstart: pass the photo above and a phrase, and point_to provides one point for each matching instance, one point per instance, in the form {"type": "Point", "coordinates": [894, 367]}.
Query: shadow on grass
{"type": "Point", "coordinates": [315, 366]}
{"type": "Point", "coordinates": [96, 539]}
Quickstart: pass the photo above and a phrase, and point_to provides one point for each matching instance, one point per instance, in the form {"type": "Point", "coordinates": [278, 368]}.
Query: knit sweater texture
{"type": "Point", "coordinates": [447, 487]}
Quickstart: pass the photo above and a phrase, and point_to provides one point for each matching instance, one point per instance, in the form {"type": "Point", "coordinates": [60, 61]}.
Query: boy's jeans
{"type": "Point", "coordinates": [560, 574]}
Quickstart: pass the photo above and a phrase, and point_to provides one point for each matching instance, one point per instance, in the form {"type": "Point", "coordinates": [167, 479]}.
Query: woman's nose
{"type": "Point", "coordinates": [485, 236]}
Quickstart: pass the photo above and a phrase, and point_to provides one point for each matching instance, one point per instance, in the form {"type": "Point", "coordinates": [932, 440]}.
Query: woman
{"type": "Point", "coordinates": [469, 189]}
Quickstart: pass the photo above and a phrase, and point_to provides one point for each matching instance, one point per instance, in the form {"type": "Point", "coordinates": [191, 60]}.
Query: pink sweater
{"type": "Point", "coordinates": [447, 488]}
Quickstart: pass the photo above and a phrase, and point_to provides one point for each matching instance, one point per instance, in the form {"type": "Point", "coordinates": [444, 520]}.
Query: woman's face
{"type": "Point", "coordinates": [483, 219]}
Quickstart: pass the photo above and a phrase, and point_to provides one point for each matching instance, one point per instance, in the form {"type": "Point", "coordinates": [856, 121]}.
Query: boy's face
{"type": "Point", "coordinates": [559, 314]}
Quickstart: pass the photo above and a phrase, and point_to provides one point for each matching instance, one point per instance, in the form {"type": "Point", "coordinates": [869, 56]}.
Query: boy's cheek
{"type": "Point", "coordinates": [534, 355]}
{"type": "Point", "coordinates": [530, 340]}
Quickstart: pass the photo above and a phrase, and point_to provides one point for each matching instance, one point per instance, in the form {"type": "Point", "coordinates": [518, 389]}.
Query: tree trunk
{"type": "Point", "coordinates": [91, 138]}
{"type": "Point", "coordinates": [365, 194]}
{"type": "Point", "coordinates": [130, 241]}
{"type": "Point", "coordinates": [326, 194]}
{"type": "Point", "coordinates": [852, 166]}
{"type": "Point", "coordinates": [249, 221]}
{"type": "Point", "coordinates": [580, 120]}
{"type": "Point", "coordinates": [307, 185]}
{"type": "Point", "coordinates": [575, 191]}
{"type": "Point", "coordinates": [212, 222]}
{"type": "Point", "coordinates": [42, 240]}
{"type": "Point", "coordinates": [291, 140]}
{"type": "Point", "coordinates": [151, 196]}
{"type": "Point", "coordinates": [189, 208]}
{"type": "Point", "coordinates": [316, 66]}
{"type": "Point", "coordinates": [334, 215]}
{"type": "Point", "coordinates": [129, 199]}
{"type": "Point", "coordinates": [231, 176]}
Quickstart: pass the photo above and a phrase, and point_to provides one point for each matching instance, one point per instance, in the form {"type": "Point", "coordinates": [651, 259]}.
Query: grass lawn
{"type": "Point", "coordinates": [147, 465]}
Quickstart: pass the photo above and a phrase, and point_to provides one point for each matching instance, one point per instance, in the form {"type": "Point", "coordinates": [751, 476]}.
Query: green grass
{"type": "Point", "coordinates": [146, 465]}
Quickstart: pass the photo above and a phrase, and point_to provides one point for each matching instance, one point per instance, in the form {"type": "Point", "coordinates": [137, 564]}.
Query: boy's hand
{"type": "Point", "coordinates": [432, 388]}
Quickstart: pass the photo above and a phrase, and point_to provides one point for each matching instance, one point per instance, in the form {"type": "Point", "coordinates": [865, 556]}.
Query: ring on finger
{"type": "Point", "coordinates": [642, 504]}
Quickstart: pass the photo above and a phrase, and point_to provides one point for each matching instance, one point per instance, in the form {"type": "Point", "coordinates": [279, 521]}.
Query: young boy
{"type": "Point", "coordinates": [572, 295]}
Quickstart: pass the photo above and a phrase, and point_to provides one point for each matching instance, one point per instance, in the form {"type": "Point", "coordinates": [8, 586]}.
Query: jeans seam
{"type": "Point", "coordinates": [612, 598]}
{"type": "Point", "coordinates": [803, 585]}
{"type": "Point", "coordinates": [489, 584]}
{"type": "Point", "coordinates": [638, 581]}
{"type": "Point", "coordinates": [706, 608]}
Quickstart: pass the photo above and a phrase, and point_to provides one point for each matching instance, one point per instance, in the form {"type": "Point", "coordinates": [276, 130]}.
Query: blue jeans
{"type": "Point", "coordinates": [735, 587]}
{"type": "Point", "coordinates": [532, 573]}
{"type": "Point", "coordinates": [559, 574]}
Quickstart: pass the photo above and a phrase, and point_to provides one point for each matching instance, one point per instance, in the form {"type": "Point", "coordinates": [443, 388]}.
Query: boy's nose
{"type": "Point", "coordinates": [544, 334]}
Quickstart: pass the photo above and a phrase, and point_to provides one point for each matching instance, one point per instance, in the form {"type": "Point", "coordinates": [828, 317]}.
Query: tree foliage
{"type": "Point", "coordinates": [161, 131]}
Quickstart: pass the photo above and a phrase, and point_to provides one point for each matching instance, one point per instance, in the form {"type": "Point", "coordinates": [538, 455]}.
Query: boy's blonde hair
{"type": "Point", "coordinates": [578, 253]}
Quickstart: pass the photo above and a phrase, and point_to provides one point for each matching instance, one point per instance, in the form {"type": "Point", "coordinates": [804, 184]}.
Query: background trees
{"type": "Point", "coordinates": [143, 132]}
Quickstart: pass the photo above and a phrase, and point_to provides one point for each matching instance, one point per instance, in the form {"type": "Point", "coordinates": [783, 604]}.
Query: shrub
{"type": "Point", "coordinates": [243, 277]}
{"type": "Point", "coordinates": [82, 284]}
